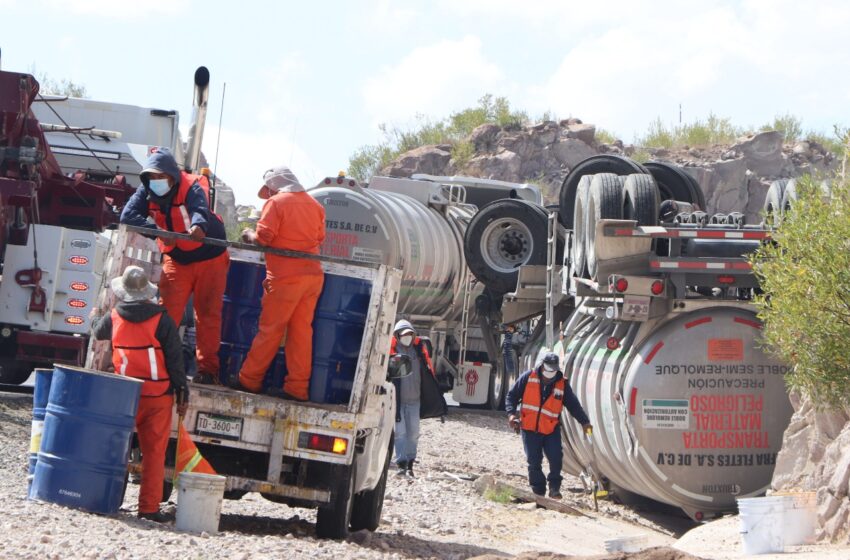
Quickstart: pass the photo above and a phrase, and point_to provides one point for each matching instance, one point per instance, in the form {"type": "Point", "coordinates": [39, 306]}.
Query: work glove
{"type": "Point", "coordinates": [181, 397]}
{"type": "Point", "coordinates": [249, 236]}
{"type": "Point", "coordinates": [588, 429]}
{"type": "Point", "coordinates": [514, 423]}
{"type": "Point", "coordinates": [196, 233]}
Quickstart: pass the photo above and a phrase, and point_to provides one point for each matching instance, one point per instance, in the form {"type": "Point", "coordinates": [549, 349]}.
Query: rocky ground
{"type": "Point", "coordinates": [436, 515]}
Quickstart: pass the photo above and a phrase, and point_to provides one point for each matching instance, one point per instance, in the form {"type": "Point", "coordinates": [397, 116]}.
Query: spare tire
{"type": "Point", "coordinates": [641, 199]}
{"type": "Point", "coordinates": [503, 236]}
{"type": "Point", "coordinates": [605, 202]}
{"type": "Point", "coordinates": [603, 163]}
{"type": "Point", "coordinates": [789, 195]}
{"type": "Point", "coordinates": [674, 183]}
{"type": "Point", "coordinates": [773, 208]}
{"type": "Point", "coordinates": [579, 249]}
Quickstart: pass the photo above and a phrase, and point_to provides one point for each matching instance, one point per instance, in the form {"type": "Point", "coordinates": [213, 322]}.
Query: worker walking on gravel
{"type": "Point", "coordinates": [539, 396]}
{"type": "Point", "coordinates": [145, 346]}
{"type": "Point", "coordinates": [173, 200]}
{"type": "Point", "coordinates": [291, 220]}
{"type": "Point", "coordinates": [418, 395]}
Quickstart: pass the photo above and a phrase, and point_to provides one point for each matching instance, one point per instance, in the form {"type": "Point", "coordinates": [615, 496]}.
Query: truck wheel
{"type": "Point", "coordinates": [603, 163]}
{"type": "Point", "coordinates": [368, 505]}
{"type": "Point", "coordinates": [13, 372]}
{"type": "Point", "coordinates": [333, 519]}
{"type": "Point", "coordinates": [773, 203]}
{"type": "Point", "coordinates": [496, 398]}
{"type": "Point", "coordinates": [604, 202]}
{"type": "Point", "coordinates": [641, 200]}
{"type": "Point", "coordinates": [674, 183]}
{"type": "Point", "coordinates": [503, 236]}
{"type": "Point", "coordinates": [579, 249]}
{"type": "Point", "coordinates": [789, 196]}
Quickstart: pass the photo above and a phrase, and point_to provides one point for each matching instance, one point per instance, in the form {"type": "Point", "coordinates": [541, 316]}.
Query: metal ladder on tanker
{"type": "Point", "coordinates": [468, 281]}
{"type": "Point", "coordinates": [552, 277]}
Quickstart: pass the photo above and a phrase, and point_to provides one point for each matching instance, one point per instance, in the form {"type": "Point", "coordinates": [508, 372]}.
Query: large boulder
{"type": "Point", "coordinates": [504, 166]}
{"type": "Point", "coordinates": [225, 203]}
{"type": "Point", "coordinates": [763, 153]}
{"type": "Point", "coordinates": [483, 138]}
{"type": "Point", "coordinates": [584, 132]}
{"type": "Point", "coordinates": [724, 184]}
{"type": "Point", "coordinates": [570, 151]}
{"type": "Point", "coordinates": [432, 159]}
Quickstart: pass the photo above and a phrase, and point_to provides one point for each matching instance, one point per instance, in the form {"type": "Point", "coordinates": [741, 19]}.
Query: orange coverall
{"type": "Point", "coordinates": [296, 222]}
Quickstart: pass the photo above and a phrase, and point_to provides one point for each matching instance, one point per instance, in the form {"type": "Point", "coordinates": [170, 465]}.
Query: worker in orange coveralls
{"type": "Point", "coordinates": [173, 200]}
{"type": "Point", "coordinates": [292, 220]}
{"type": "Point", "coordinates": [145, 346]}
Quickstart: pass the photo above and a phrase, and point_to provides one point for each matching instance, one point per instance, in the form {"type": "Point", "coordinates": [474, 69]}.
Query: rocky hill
{"type": "Point", "coordinates": [734, 177]}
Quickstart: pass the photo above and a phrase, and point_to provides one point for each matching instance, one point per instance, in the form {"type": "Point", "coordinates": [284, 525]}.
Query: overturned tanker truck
{"type": "Point", "coordinates": [652, 302]}
{"type": "Point", "coordinates": [420, 225]}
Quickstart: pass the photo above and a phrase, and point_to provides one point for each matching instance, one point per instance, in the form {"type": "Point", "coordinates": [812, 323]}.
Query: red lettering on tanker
{"type": "Point", "coordinates": [339, 244]}
{"type": "Point", "coordinates": [725, 350]}
{"type": "Point", "coordinates": [726, 422]}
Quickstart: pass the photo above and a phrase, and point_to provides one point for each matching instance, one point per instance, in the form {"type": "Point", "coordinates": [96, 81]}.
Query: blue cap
{"type": "Point", "coordinates": [552, 359]}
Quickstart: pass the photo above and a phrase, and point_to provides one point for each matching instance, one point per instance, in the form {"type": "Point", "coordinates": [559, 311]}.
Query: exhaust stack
{"type": "Point", "coordinates": [192, 159]}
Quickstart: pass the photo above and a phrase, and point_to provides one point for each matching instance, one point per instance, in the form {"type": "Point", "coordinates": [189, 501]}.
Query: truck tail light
{"type": "Point", "coordinates": [74, 320]}
{"type": "Point", "coordinates": [621, 285]}
{"type": "Point", "coordinates": [613, 343]}
{"type": "Point", "coordinates": [79, 286]}
{"type": "Point", "coordinates": [726, 279]}
{"type": "Point", "coordinates": [78, 303]}
{"type": "Point", "coordinates": [323, 442]}
{"type": "Point", "coordinates": [657, 287]}
{"type": "Point", "coordinates": [78, 259]}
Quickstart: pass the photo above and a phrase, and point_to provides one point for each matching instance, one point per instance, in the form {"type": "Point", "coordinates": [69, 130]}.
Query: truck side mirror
{"type": "Point", "coordinates": [399, 366]}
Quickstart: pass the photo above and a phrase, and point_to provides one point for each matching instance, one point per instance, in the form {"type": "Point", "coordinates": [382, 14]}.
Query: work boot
{"type": "Point", "coordinates": [206, 378]}
{"type": "Point", "coordinates": [410, 468]}
{"type": "Point", "coordinates": [155, 516]}
{"type": "Point", "coordinates": [555, 494]}
{"type": "Point", "coordinates": [402, 468]}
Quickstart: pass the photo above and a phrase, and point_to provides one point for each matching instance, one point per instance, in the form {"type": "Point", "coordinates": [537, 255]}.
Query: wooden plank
{"type": "Point", "coordinates": [488, 482]}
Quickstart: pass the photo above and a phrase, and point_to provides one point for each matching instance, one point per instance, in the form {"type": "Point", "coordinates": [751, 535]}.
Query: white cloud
{"type": "Point", "coordinates": [387, 17]}
{"type": "Point", "coordinates": [432, 80]}
{"type": "Point", "coordinates": [244, 156]}
{"type": "Point", "coordinates": [119, 10]}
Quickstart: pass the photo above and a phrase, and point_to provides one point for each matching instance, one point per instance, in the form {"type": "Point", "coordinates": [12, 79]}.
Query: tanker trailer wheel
{"type": "Point", "coordinates": [503, 236]}
{"type": "Point", "coordinates": [13, 372]}
{"type": "Point", "coordinates": [579, 249]}
{"type": "Point", "coordinates": [368, 505]}
{"type": "Point", "coordinates": [498, 388]}
{"type": "Point", "coordinates": [603, 163]}
{"type": "Point", "coordinates": [674, 183]}
{"type": "Point", "coordinates": [641, 199]}
{"type": "Point", "coordinates": [604, 202]}
{"type": "Point", "coordinates": [789, 196]}
{"type": "Point", "coordinates": [773, 203]}
{"type": "Point", "coordinates": [334, 518]}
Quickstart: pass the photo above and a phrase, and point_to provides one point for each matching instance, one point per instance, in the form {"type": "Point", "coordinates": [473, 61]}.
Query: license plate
{"type": "Point", "coordinates": [636, 308]}
{"type": "Point", "coordinates": [214, 425]}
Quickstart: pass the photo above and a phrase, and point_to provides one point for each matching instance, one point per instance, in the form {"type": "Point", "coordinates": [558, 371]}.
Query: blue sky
{"type": "Point", "coordinates": [309, 82]}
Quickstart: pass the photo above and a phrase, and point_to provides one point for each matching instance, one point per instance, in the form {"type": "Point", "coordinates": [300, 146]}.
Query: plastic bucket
{"type": "Point", "coordinates": [762, 524]}
{"type": "Point", "coordinates": [40, 395]}
{"type": "Point", "coordinates": [199, 498]}
{"type": "Point", "coordinates": [800, 517]}
{"type": "Point", "coordinates": [635, 543]}
{"type": "Point", "coordinates": [82, 461]}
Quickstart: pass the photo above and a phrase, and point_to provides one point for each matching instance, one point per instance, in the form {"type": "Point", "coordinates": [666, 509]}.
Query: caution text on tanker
{"type": "Point", "coordinates": [726, 422]}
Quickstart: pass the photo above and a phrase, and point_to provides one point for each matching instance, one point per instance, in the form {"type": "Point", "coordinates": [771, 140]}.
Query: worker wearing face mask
{"type": "Point", "coordinates": [172, 200]}
{"type": "Point", "coordinates": [538, 397]}
{"type": "Point", "coordinates": [417, 395]}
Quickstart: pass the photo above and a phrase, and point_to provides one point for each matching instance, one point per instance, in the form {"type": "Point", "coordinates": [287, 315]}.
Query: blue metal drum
{"type": "Point", "coordinates": [337, 337]}
{"type": "Point", "coordinates": [242, 302]}
{"type": "Point", "coordinates": [85, 446]}
{"type": "Point", "coordinates": [40, 394]}
{"type": "Point", "coordinates": [231, 357]}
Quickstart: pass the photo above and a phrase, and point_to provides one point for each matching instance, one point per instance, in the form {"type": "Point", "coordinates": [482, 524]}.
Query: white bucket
{"type": "Point", "coordinates": [762, 524]}
{"type": "Point", "coordinates": [199, 498]}
{"type": "Point", "coordinates": [800, 518]}
{"type": "Point", "coordinates": [635, 543]}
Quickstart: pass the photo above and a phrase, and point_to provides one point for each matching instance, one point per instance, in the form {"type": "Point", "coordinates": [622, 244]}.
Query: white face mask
{"type": "Point", "coordinates": [549, 371]}
{"type": "Point", "coordinates": [159, 187]}
{"type": "Point", "coordinates": [406, 340]}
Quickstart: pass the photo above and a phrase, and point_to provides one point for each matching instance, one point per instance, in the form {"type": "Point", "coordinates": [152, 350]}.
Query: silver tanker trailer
{"type": "Point", "coordinates": [652, 299]}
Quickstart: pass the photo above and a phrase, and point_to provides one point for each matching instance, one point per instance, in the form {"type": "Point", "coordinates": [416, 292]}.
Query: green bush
{"type": "Point", "coordinates": [714, 130]}
{"type": "Point", "coordinates": [369, 160]}
{"type": "Point", "coordinates": [462, 152]}
{"type": "Point", "coordinates": [805, 306]}
{"type": "Point", "coordinates": [502, 495]}
{"type": "Point", "coordinates": [835, 143]}
{"type": "Point", "coordinates": [790, 126]}
{"type": "Point", "coordinates": [605, 136]}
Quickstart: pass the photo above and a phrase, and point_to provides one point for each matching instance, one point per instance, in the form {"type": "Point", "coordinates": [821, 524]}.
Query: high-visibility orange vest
{"type": "Point", "coordinates": [181, 221]}
{"type": "Point", "coordinates": [543, 418]}
{"type": "Point", "coordinates": [137, 353]}
{"type": "Point", "coordinates": [421, 349]}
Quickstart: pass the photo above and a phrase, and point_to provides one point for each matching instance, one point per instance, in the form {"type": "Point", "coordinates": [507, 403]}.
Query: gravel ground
{"type": "Point", "coordinates": [436, 515]}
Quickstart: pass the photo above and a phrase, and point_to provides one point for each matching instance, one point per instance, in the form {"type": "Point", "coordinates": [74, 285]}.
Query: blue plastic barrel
{"type": "Point", "coordinates": [337, 337]}
{"type": "Point", "coordinates": [242, 302]}
{"type": "Point", "coordinates": [40, 394]}
{"type": "Point", "coordinates": [85, 446]}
